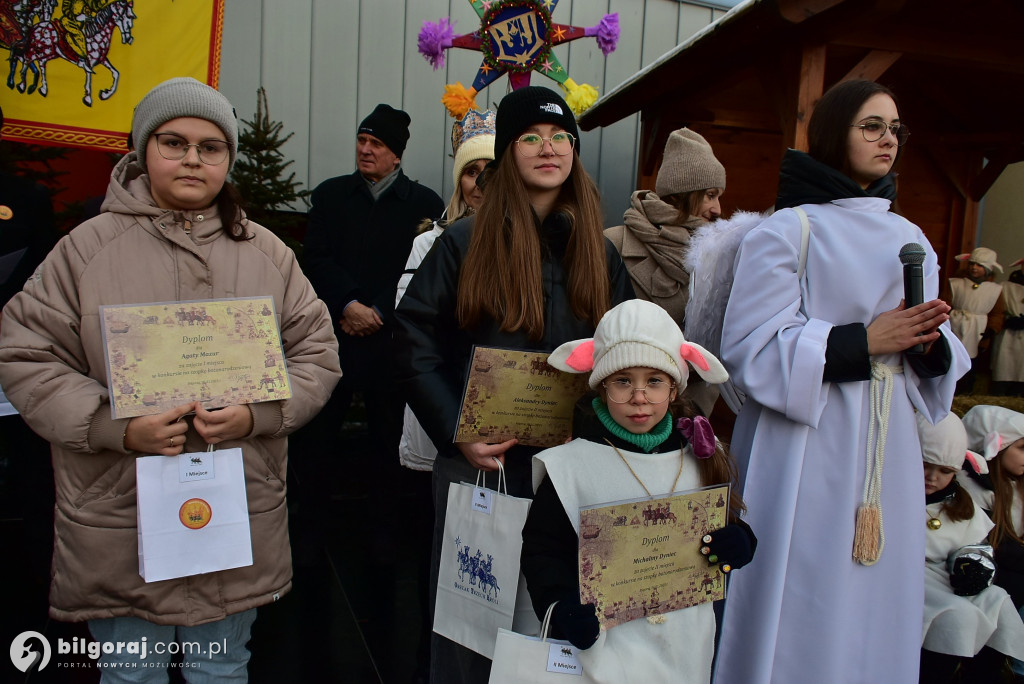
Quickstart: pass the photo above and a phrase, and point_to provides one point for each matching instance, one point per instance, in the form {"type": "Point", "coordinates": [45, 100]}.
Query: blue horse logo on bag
{"type": "Point", "coordinates": [475, 575]}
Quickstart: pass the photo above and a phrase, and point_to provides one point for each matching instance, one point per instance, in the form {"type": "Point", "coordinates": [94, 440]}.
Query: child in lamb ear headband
{"type": "Point", "coordinates": [996, 484]}
{"type": "Point", "coordinates": [968, 624]}
{"type": "Point", "coordinates": [638, 361]}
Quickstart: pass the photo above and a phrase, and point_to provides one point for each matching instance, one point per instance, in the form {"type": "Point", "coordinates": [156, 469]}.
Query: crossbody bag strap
{"type": "Point", "coordinates": [805, 239]}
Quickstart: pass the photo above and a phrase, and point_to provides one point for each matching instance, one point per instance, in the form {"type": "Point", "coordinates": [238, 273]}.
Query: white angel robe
{"type": "Point", "coordinates": [963, 625]}
{"type": "Point", "coordinates": [1008, 351]}
{"type": "Point", "coordinates": [971, 304]}
{"type": "Point", "coordinates": [804, 610]}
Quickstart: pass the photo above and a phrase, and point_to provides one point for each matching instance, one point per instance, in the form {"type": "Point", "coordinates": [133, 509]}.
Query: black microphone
{"type": "Point", "coordinates": [912, 256]}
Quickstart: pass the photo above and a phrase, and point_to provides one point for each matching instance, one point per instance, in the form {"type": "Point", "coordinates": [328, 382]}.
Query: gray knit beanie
{"type": "Point", "coordinates": [688, 164]}
{"type": "Point", "coordinates": [179, 97]}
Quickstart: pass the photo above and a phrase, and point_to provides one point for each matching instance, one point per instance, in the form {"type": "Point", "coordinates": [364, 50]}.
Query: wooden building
{"type": "Point", "coordinates": [749, 82]}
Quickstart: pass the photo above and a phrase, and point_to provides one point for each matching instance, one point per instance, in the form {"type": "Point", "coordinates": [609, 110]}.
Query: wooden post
{"type": "Point", "coordinates": [874, 64]}
{"type": "Point", "coordinates": [810, 86]}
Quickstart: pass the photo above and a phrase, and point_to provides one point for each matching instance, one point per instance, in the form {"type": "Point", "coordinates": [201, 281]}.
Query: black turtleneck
{"type": "Point", "coordinates": [805, 180]}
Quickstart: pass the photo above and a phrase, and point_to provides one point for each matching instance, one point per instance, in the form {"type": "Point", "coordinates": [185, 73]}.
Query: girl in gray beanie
{"type": "Point", "coordinates": [170, 231]}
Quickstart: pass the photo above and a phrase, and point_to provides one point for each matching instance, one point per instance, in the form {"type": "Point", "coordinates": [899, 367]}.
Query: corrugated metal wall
{"type": "Point", "coordinates": [326, 63]}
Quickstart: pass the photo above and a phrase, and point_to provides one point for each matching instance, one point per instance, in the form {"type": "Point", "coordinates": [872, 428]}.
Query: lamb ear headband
{"type": "Point", "coordinates": [990, 430]}
{"type": "Point", "coordinates": [578, 357]}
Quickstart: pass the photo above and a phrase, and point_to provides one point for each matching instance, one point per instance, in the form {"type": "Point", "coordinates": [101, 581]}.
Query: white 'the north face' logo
{"type": "Point", "coordinates": [551, 108]}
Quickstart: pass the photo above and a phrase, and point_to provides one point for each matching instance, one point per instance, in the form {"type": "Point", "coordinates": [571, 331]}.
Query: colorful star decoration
{"type": "Point", "coordinates": [515, 38]}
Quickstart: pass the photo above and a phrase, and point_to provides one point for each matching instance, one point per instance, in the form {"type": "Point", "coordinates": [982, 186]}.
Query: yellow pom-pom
{"type": "Point", "coordinates": [579, 97]}
{"type": "Point", "coordinates": [458, 100]}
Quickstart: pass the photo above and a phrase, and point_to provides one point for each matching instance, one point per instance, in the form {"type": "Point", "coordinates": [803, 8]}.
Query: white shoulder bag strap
{"type": "Point", "coordinates": [805, 239]}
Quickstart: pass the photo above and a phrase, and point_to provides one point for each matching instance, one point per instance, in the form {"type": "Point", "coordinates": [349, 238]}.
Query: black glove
{"type": "Point", "coordinates": [733, 545]}
{"type": "Point", "coordinates": [969, 577]}
{"type": "Point", "coordinates": [576, 622]}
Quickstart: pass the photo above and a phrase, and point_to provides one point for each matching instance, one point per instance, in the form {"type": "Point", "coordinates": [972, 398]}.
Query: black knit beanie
{"type": "Point", "coordinates": [526, 107]}
{"type": "Point", "coordinates": [390, 125]}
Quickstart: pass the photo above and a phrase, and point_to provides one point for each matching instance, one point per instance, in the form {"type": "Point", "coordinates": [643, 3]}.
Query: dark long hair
{"type": "Point", "coordinates": [829, 128]}
{"type": "Point", "coordinates": [718, 469]}
{"type": "Point", "coordinates": [960, 506]}
{"type": "Point", "coordinates": [231, 209]}
{"type": "Point", "coordinates": [505, 233]}
{"type": "Point", "coordinates": [1003, 486]}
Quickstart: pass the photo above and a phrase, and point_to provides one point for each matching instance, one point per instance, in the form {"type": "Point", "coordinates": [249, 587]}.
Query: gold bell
{"type": "Point", "coordinates": [934, 523]}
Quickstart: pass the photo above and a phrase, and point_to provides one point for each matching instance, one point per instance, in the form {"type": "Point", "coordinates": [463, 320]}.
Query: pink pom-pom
{"type": "Point", "coordinates": [434, 39]}
{"type": "Point", "coordinates": [608, 33]}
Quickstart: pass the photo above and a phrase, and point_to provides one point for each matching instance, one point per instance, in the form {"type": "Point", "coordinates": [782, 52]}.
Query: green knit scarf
{"type": "Point", "coordinates": [646, 441]}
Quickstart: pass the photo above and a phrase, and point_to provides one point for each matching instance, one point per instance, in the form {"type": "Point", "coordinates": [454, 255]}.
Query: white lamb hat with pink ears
{"type": "Point", "coordinates": [990, 429]}
{"type": "Point", "coordinates": [637, 333]}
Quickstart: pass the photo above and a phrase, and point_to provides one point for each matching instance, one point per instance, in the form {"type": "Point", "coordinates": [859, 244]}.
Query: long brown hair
{"type": "Point", "coordinates": [960, 506]}
{"type": "Point", "coordinates": [230, 204]}
{"type": "Point", "coordinates": [1002, 505]}
{"type": "Point", "coordinates": [501, 275]}
{"type": "Point", "coordinates": [687, 203]}
{"type": "Point", "coordinates": [720, 467]}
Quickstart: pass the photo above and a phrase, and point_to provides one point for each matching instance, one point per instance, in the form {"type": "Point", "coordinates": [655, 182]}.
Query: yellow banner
{"type": "Point", "coordinates": [77, 68]}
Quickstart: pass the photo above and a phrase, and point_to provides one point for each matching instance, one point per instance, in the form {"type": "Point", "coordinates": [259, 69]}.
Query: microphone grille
{"type": "Point", "coordinates": [912, 253]}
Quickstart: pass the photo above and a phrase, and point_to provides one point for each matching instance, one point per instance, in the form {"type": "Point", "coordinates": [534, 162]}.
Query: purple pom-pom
{"type": "Point", "coordinates": [700, 435]}
{"type": "Point", "coordinates": [608, 33]}
{"type": "Point", "coordinates": [434, 39]}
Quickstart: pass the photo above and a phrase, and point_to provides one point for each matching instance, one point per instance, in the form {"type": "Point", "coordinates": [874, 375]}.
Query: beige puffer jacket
{"type": "Point", "coordinates": [52, 369]}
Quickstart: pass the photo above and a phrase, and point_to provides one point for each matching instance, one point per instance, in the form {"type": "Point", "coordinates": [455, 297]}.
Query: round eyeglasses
{"type": "Point", "coordinates": [531, 144]}
{"type": "Point", "coordinates": [173, 147]}
{"type": "Point", "coordinates": [873, 131]}
{"type": "Point", "coordinates": [621, 390]}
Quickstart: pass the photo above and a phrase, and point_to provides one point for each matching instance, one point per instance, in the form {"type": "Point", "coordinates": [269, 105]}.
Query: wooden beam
{"type": "Point", "coordinates": [991, 52]}
{"type": "Point", "coordinates": [810, 86]}
{"type": "Point", "coordinates": [950, 168]}
{"type": "Point", "coordinates": [796, 11]}
{"type": "Point", "coordinates": [874, 64]}
{"type": "Point", "coordinates": [970, 225]}
{"type": "Point", "coordinates": [653, 143]}
{"type": "Point", "coordinates": [983, 180]}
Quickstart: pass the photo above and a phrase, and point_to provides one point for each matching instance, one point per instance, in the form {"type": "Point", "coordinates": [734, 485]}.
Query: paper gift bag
{"type": "Point", "coordinates": [192, 513]}
{"type": "Point", "coordinates": [479, 572]}
{"type": "Point", "coordinates": [521, 659]}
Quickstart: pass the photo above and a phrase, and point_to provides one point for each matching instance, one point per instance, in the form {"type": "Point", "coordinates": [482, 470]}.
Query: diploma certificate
{"type": "Point", "coordinates": [219, 352]}
{"type": "Point", "coordinates": [641, 558]}
{"type": "Point", "coordinates": [514, 393]}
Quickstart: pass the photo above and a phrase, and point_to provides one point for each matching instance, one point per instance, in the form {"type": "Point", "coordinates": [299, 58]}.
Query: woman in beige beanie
{"type": "Point", "coordinates": [658, 225]}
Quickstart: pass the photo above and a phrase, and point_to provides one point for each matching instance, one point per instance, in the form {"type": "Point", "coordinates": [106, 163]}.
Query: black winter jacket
{"type": "Point", "coordinates": [27, 232]}
{"type": "Point", "coordinates": [356, 249]}
{"type": "Point", "coordinates": [433, 352]}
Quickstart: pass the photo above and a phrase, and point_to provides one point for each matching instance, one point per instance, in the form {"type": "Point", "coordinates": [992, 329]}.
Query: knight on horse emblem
{"type": "Point", "coordinates": [81, 34]}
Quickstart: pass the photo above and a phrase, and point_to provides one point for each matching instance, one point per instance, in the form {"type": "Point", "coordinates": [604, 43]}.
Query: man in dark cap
{"type": "Point", "coordinates": [360, 232]}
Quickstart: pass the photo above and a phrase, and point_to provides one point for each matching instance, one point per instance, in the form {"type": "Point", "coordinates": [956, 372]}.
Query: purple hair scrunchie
{"type": "Point", "coordinates": [699, 433]}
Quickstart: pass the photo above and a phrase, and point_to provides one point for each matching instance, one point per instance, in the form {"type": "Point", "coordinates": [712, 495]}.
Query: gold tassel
{"type": "Point", "coordinates": [458, 100]}
{"type": "Point", "coordinates": [866, 537]}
